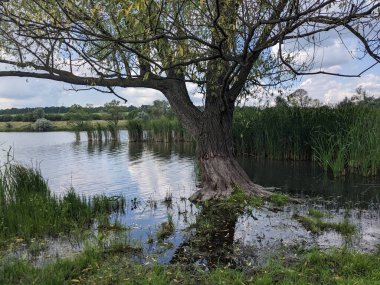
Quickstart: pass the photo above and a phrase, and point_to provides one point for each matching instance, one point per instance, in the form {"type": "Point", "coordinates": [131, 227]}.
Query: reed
{"type": "Point", "coordinates": [114, 131]}
{"type": "Point", "coordinates": [340, 139]}
{"type": "Point", "coordinates": [162, 130]}
{"type": "Point", "coordinates": [89, 131]}
{"type": "Point", "coordinates": [28, 209]}
{"type": "Point", "coordinates": [99, 132]}
{"type": "Point", "coordinates": [135, 131]}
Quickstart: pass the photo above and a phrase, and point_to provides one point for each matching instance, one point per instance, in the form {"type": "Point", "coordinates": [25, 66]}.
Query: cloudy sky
{"type": "Point", "coordinates": [334, 57]}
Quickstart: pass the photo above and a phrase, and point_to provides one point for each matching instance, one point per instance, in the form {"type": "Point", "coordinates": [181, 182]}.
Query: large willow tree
{"type": "Point", "coordinates": [227, 48]}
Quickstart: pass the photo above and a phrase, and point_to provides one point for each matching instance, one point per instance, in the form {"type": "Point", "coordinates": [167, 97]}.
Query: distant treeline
{"type": "Point", "coordinates": [52, 113]}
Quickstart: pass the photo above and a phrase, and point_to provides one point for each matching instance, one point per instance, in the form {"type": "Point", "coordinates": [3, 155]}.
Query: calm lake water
{"type": "Point", "coordinates": [146, 173]}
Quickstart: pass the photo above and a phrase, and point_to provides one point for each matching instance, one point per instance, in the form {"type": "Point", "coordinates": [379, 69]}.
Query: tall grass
{"type": "Point", "coordinates": [341, 139]}
{"type": "Point", "coordinates": [114, 131]}
{"type": "Point", "coordinates": [135, 131]}
{"type": "Point", "coordinates": [162, 130]}
{"type": "Point", "coordinates": [100, 132]}
{"type": "Point", "coordinates": [28, 209]}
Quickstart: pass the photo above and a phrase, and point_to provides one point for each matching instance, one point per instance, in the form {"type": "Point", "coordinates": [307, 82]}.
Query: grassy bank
{"type": "Point", "coordinates": [29, 211]}
{"type": "Point", "coordinates": [342, 140]}
{"type": "Point", "coordinates": [96, 266]}
{"type": "Point", "coordinates": [57, 126]}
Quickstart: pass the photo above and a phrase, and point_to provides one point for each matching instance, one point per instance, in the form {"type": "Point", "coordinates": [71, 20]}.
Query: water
{"type": "Point", "coordinates": [147, 173]}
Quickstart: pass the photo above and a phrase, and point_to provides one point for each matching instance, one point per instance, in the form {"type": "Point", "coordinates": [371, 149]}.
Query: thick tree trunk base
{"type": "Point", "coordinates": [221, 176]}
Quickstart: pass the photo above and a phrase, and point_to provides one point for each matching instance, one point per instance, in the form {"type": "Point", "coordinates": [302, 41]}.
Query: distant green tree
{"type": "Point", "coordinates": [38, 113]}
{"type": "Point", "coordinates": [114, 112]}
{"type": "Point", "coordinates": [300, 98]}
{"type": "Point", "coordinates": [160, 108]}
{"type": "Point", "coordinates": [78, 116]}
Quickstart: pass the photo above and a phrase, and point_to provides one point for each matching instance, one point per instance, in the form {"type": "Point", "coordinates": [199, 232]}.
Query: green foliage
{"type": "Point", "coordinates": [42, 125]}
{"type": "Point", "coordinates": [28, 209]}
{"type": "Point", "coordinates": [135, 130]}
{"type": "Point", "coordinates": [341, 139]}
{"type": "Point", "coordinates": [316, 214]}
{"type": "Point", "coordinates": [78, 117]}
{"type": "Point", "coordinates": [38, 113]}
{"type": "Point", "coordinates": [279, 199]}
{"type": "Point", "coordinates": [114, 112]}
{"type": "Point", "coordinates": [315, 225]}
{"type": "Point", "coordinates": [95, 266]}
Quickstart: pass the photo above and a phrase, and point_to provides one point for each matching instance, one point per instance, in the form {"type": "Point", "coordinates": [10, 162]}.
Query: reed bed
{"type": "Point", "coordinates": [162, 130]}
{"type": "Point", "coordinates": [100, 132]}
{"type": "Point", "coordinates": [28, 209]}
{"type": "Point", "coordinates": [135, 131]}
{"type": "Point", "coordinates": [166, 130]}
{"type": "Point", "coordinates": [341, 140]}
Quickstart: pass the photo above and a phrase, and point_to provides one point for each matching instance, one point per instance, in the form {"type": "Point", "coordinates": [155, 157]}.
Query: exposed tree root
{"type": "Point", "coordinates": [223, 176]}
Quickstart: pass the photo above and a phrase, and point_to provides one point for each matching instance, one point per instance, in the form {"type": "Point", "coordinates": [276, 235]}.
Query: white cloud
{"type": "Point", "coordinates": [331, 90]}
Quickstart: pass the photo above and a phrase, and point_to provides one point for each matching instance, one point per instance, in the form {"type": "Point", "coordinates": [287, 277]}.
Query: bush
{"type": "Point", "coordinates": [8, 125]}
{"type": "Point", "coordinates": [42, 125]}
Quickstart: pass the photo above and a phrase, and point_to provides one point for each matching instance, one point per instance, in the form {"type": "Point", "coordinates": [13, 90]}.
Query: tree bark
{"type": "Point", "coordinates": [221, 174]}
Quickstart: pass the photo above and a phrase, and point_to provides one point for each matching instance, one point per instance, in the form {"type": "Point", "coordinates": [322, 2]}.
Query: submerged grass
{"type": "Point", "coordinates": [28, 209]}
{"type": "Point", "coordinates": [135, 131]}
{"type": "Point", "coordinates": [315, 225]}
{"type": "Point", "coordinates": [166, 229]}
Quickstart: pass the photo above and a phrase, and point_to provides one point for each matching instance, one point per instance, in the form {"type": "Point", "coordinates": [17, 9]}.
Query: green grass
{"type": "Point", "coordinates": [316, 225]}
{"type": "Point", "coordinates": [95, 266]}
{"type": "Point", "coordinates": [341, 140]}
{"type": "Point", "coordinates": [166, 229]}
{"type": "Point", "coordinates": [279, 199]}
{"type": "Point", "coordinates": [135, 131]}
{"type": "Point", "coordinates": [316, 214]}
{"type": "Point", "coordinates": [57, 126]}
{"type": "Point", "coordinates": [29, 210]}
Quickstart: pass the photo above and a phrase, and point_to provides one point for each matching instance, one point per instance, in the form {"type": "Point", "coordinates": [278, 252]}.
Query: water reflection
{"type": "Point", "coordinates": [135, 151]}
{"type": "Point", "coordinates": [211, 241]}
{"type": "Point", "coordinates": [147, 172]}
{"type": "Point", "coordinates": [306, 179]}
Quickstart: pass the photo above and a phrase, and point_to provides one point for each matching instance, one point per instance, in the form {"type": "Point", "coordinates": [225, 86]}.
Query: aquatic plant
{"type": "Point", "coordinates": [279, 199]}
{"type": "Point", "coordinates": [316, 225]}
{"type": "Point", "coordinates": [114, 131]}
{"type": "Point", "coordinates": [162, 130]}
{"type": "Point", "coordinates": [135, 131]}
{"type": "Point", "coordinates": [168, 200]}
{"type": "Point", "coordinates": [341, 140]}
{"type": "Point", "coordinates": [166, 228]}
{"type": "Point", "coordinates": [28, 209]}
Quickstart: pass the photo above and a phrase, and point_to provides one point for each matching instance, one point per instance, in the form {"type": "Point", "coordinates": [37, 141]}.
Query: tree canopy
{"type": "Point", "coordinates": [225, 47]}
{"type": "Point", "coordinates": [138, 43]}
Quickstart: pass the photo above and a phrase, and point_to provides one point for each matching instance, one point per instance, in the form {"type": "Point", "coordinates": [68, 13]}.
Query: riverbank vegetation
{"type": "Point", "coordinates": [342, 139]}
{"type": "Point", "coordinates": [30, 212]}
{"type": "Point", "coordinates": [94, 266]}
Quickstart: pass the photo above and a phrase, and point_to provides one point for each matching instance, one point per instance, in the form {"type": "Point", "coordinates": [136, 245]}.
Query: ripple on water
{"type": "Point", "coordinates": [147, 172]}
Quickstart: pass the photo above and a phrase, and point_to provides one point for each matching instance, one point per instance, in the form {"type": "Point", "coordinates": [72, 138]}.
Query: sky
{"type": "Point", "coordinates": [334, 57]}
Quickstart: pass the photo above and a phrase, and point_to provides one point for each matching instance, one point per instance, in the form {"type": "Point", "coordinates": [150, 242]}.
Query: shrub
{"type": "Point", "coordinates": [42, 125]}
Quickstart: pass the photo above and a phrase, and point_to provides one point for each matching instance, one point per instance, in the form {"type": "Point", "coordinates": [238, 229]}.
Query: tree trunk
{"type": "Point", "coordinates": [221, 174]}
